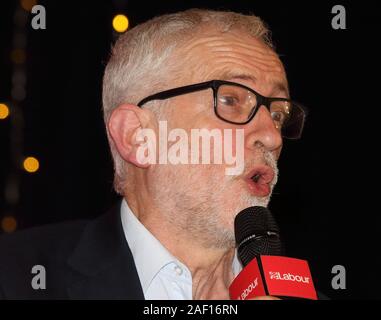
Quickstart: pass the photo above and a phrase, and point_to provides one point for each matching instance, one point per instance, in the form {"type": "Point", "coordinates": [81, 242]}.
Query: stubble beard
{"type": "Point", "coordinates": [204, 212]}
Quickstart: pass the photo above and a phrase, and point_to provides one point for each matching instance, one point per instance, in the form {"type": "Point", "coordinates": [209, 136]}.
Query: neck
{"type": "Point", "coordinates": [211, 268]}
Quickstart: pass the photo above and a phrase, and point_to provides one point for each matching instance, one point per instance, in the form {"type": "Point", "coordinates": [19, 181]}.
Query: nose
{"type": "Point", "coordinates": [262, 130]}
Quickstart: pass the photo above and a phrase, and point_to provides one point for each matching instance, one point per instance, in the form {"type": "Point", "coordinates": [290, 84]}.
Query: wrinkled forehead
{"type": "Point", "coordinates": [233, 55]}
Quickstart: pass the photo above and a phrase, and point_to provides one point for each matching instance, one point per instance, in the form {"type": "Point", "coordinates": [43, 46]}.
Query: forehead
{"type": "Point", "coordinates": [233, 55]}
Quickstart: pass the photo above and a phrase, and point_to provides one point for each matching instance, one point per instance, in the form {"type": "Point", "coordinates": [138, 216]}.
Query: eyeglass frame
{"type": "Point", "coordinates": [215, 84]}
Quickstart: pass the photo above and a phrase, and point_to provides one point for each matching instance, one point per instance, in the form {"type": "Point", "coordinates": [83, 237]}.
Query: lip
{"type": "Point", "coordinates": [261, 188]}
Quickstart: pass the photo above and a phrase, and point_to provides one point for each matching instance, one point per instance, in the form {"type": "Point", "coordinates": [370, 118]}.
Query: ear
{"type": "Point", "coordinates": [123, 126]}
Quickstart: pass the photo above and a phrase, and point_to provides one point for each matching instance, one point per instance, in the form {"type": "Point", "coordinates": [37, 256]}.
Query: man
{"type": "Point", "coordinates": [172, 235]}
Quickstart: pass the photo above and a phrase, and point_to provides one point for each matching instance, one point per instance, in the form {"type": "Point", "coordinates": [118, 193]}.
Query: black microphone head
{"type": "Point", "coordinates": [256, 233]}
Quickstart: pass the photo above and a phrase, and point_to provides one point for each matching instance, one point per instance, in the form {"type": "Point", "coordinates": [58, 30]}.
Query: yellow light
{"type": "Point", "coordinates": [8, 224]}
{"type": "Point", "coordinates": [4, 111]}
{"type": "Point", "coordinates": [27, 5]}
{"type": "Point", "coordinates": [31, 164]}
{"type": "Point", "coordinates": [120, 23]}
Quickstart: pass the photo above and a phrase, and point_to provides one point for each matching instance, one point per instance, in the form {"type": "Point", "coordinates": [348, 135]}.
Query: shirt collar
{"type": "Point", "coordinates": [149, 254]}
{"type": "Point", "coordinates": [145, 247]}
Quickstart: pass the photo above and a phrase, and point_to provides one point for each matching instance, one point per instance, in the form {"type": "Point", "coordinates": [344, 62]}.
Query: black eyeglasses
{"type": "Point", "coordinates": [238, 104]}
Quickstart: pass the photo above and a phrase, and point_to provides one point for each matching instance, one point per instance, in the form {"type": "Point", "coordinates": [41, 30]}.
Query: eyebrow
{"type": "Point", "coordinates": [279, 86]}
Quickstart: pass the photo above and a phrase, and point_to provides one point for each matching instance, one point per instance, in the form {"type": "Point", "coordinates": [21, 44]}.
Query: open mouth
{"type": "Point", "coordinates": [256, 177]}
{"type": "Point", "coordinates": [259, 180]}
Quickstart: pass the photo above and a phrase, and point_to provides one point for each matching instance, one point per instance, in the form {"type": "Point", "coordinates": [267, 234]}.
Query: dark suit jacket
{"type": "Point", "coordinates": [83, 260]}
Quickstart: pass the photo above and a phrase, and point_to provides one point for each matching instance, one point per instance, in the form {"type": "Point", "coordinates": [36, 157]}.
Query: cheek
{"type": "Point", "coordinates": [235, 144]}
{"type": "Point", "coordinates": [205, 177]}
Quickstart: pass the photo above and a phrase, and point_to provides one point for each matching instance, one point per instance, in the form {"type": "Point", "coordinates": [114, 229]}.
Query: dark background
{"type": "Point", "coordinates": [323, 201]}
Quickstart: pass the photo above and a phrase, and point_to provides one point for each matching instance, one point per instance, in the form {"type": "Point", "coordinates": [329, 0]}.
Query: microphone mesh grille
{"type": "Point", "coordinates": [256, 233]}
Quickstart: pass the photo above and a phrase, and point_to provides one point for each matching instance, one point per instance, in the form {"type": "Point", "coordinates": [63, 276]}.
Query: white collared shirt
{"type": "Point", "coordinates": [162, 276]}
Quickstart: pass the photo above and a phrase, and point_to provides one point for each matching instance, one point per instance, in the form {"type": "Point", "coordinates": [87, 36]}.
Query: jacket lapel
{"type": "Point", "coordinates": [102, 265]}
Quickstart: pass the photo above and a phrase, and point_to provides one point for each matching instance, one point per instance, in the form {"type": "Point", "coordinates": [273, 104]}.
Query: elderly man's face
{"type": "Point", "coordinates": [201, 199]}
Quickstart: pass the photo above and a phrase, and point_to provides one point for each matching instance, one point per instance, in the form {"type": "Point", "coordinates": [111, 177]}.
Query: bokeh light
{"type": "Point", "coordinates": [8, 224]}
{"type": "Point", "coordinates": [4, 111]}
{"type": "Point", "coordinates": [27, 5]}
{"type": "Point", "coordinates": [18, 56]}
{"type": "Point", "coordinates": [31, 164]}
{"type": "Point", "coordinates": [120, 23]}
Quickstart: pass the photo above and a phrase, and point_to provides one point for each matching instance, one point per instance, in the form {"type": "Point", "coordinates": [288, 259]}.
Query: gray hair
{"type": "Point", "coordinates": [141, 64]}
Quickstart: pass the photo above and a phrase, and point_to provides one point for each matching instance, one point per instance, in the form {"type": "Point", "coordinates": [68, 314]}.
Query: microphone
{"type": "Point", "coordinates": [265, 271]}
